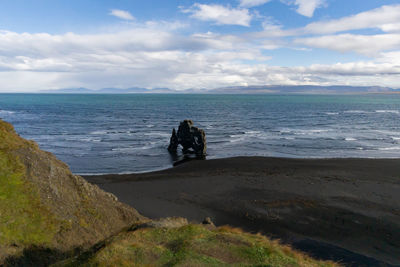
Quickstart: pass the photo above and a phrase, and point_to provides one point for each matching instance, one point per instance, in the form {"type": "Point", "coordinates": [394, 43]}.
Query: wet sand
{"type": "Point", "coordinates": [347, 210]}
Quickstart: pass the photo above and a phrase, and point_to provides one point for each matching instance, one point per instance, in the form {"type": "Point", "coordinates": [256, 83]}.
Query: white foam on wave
{"type": "Point", "coordinates": [289, 138]}
{"type": "Point", "coordinates": [161, 168]}
{"type": "Point", "coordinates": [146, 146]}
{"type": "Point", "coordinates": [6, 112]}
{"type": "Point", "coordinates": [309, 132]}
{"type": "Point", "coordinates": [150, 145]}
{"type": "Point", "coordinates": [112, 132]}
{"type": "Point", "coordinates": [350, 139]}
{"type": "Point", "coordinates": [395, 138]}
{"type": "Point", "coordinates": [357, 111]}
{"type": "Point", "coordinates": [303, 131]}
{"type": "Point", "coordinates": [332, 113]}
{"type": "Point", "coordinates": [387, 132]}
{"type": "Point", "coordinates": [158, 134]}
{"type": "Point", "coordinates": [237, 138]}
{"type": "Point", "coordinates": [316, 131]}
{"type": "Point", "coordinates": [102, 132]}
{"type": "Point", "coordinates": [83, 139]}
{"type": "Point", "coordinates": [252, 132]}
{"type": "Point", "coordinates": [249, 134]}
{"type": "Point", "coordinates": [388, 111]}
{"type": "Point", "coordinates": [390, 148]}
{"type": "Point", "coordinates": [122, 149]}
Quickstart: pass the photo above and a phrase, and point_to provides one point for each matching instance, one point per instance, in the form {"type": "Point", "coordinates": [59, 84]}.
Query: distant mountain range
{"type": "Point", "coordinates": [302, 89]}
{"type": "Point", "coordinates": [133, 90]}
{"type": "Point", "coordinates": [268, 89]}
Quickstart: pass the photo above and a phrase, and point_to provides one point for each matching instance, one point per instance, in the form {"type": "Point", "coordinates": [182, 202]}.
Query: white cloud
{"type": "Point", "coordinates": [145, 56]}
{"type": "Point", "coordinates": [122, 14]}
{"type": "Point", "coordinates": [157, 54]}
{"type": "Point", "coordinates": [390, 27]}
{"type": "Point", "coordinates": [368, 45]}
{"type": "Point", "coordinates": [386, 18]}
{"type": "Point", "coordinates": [307, 7]}
{"type": "Point", "coordinates": [252, 3]}
{"type": "Point", "coordinates": [354, 69]}
{"type": "Point", "coordinates": [220, 14]}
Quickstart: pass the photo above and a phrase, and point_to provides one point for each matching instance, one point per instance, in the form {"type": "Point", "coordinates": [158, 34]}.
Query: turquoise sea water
{"type": "Point", "coordinates": [130, 133]}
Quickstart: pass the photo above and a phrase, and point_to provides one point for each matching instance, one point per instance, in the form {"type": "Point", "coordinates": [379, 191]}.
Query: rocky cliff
{"type": "Point", "coordinates": [46, 208]}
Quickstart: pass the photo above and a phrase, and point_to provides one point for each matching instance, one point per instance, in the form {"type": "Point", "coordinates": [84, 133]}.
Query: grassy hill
{"type": "Point", "coordinates": [192, 245]}
{"type": "Point", "coordinates": [44, 207]}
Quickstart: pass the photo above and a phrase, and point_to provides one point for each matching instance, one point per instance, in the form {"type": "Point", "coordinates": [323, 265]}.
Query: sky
{"type": "Point", "coordinates": [54, 44]}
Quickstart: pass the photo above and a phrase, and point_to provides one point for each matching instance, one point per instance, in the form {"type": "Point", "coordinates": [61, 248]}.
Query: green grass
{"type": "Point", "coordinates": [195, 245]}
{"type": "Point", "coordinates": [23, 220]}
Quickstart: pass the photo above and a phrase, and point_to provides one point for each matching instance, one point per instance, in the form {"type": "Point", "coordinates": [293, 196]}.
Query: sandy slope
{"type": "Point", "coordinates": [342, 209]}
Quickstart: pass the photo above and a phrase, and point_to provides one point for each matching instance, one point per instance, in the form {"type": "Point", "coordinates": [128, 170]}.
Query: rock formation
{"type": "Point", "coordinates": [189, 137]}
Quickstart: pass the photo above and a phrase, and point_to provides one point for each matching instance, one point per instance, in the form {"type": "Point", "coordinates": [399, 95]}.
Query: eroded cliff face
{"type": "Point", "coordinates": [42, 204]}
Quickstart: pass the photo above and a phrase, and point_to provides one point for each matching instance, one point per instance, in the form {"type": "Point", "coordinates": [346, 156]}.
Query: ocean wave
{"type": "Point", "coordinates": [145, 146]}
{"type": "Point", "coordinates": [152, 169]}
{"type": "Point", "coordinates": [248, 135]}
{"type": "Point", "coordinates": [303, 131]}
{"type": "Point", "coordinates": [6, 112]}
{"type": "Point", "coordinates": [107, 132]}
{"type": "Point", "coordinates": [235, 140]}
{"type": "Point", "coordinates": [332, 113]}
{"type": "Point", "coordinates": [388, 111]}
{"type": "Point", "coordinates": [282, 134]}
{"type": "Point", "coordinates": [158, 134]}
{"type": "Point", "coordinates": [152, 145]}
{"type": "Point", "coordinates": [357, 111]}
{"type": "Point", "coordinates": [252, 132]}
{"type": "Point", "coordinates": [83, 139]}
{"type": "Point", "coordinates": [389, 148]}
{"type": "Point", "coordinates": [288, 138]}
{"type": "Point", "coordinates": [387, 132]}
{"type": "Point", "coordinates": [122, 149]}
{"type": "Point", "coordinates": [350, 139]}
{"type": "Point", "coordinates": [98, 132]}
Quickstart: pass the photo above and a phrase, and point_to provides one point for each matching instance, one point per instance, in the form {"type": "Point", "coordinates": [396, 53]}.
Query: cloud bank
{"type": "Point", "coordinates": [163, 54]}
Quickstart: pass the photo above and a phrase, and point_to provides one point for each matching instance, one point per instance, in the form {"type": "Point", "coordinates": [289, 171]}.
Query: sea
{"type": "Point", "coordinates": [98, 134]}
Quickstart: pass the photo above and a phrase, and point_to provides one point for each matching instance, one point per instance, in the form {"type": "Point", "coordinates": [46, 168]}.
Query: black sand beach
{"type": "Point", "coordinates": [347, 210]}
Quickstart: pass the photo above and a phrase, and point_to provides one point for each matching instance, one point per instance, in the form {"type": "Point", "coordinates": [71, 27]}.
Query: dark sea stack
{"type": "Point", "coordinates": [173, 142]}
{"type": "Point", "coordinates": [189, 137]}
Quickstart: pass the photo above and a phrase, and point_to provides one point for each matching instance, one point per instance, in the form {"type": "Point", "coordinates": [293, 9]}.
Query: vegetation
{"type": "Point", "coordinates": [46, 212]}
{"type": "Point", "coordinates": [194, 245]}
{"type": "Point", "coordinates": [29, 229]}
{"type": "Point", "coordinates": [23, 220]}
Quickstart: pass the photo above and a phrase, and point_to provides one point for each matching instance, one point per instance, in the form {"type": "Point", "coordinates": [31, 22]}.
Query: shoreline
{"type": "Point", "coordinates": [344, 209]}
{"type": "Point", "coordinates": [183, 161]}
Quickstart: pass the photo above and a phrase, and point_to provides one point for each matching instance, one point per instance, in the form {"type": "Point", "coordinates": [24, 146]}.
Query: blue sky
{"type": "Point", "coordinates": [48, 44]}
